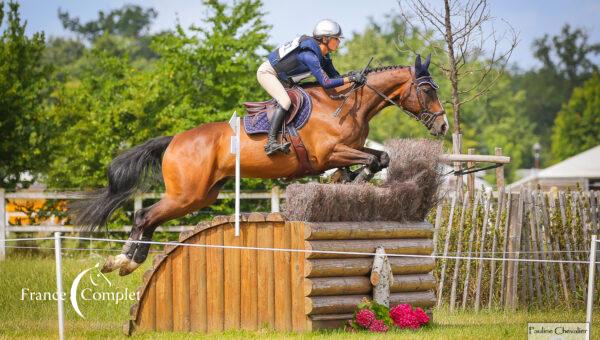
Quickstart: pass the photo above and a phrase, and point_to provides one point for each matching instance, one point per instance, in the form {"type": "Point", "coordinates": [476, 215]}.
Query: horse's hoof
{"type": "Point", "coordinates": [113, 263]}
{"type": "Point", "coordinates": [128, 268]}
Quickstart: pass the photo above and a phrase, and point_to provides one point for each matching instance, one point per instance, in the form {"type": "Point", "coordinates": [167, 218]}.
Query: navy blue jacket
{"type": "Point", "coordinates": [302, 57]}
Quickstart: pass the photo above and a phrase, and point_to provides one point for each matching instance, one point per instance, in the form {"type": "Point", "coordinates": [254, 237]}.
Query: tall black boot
{"type": "Point", "coordinates": [272, 145]}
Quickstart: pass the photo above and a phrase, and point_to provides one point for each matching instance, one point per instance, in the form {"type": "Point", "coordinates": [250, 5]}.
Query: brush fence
{"type": "Point", "coordinates": [213, 289]}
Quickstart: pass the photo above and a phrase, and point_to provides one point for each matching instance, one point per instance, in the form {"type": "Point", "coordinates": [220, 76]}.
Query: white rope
{"type": "Point", "coordinates": [328, 251]}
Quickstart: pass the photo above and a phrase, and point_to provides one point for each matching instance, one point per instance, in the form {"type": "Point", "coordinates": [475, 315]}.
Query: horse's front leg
{"type": "Point", "coordinates": [343, 156]}
{"type": "Point", "coordinates": [382, 157]}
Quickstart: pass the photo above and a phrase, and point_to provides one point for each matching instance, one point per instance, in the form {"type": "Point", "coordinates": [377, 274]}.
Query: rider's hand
{"type": "Point", "coordinates": [357, 77]}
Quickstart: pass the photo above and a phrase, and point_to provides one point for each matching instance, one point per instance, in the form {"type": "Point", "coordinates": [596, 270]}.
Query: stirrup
{"type": "Point", "coordinates": [272, 147]}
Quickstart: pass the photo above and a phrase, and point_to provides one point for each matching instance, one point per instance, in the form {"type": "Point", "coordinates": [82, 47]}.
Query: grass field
{"type": "Point", "coordinates": [23, 279]}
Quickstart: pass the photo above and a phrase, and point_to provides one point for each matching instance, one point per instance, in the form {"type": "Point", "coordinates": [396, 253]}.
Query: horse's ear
{"type": "Point", "coordinates": [418, 65]}
{"type": "Point", "coordinates": [427, 61]}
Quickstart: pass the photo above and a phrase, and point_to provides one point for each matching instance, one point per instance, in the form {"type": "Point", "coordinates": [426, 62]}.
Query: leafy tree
{"type": "Point", "coordinates": [577, 125]}
{"type": "Point", "coordinates": [566, 63]}
{"type": "Point", "coordinates": [23, 91]}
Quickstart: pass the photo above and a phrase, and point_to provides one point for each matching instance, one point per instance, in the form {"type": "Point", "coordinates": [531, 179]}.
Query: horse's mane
{"type": "Point", "coordinates": [309, 84]}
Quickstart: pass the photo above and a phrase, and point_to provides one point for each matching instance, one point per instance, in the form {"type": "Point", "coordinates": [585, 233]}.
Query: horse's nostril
{"type": "Point", "coordinates": [444, 127]}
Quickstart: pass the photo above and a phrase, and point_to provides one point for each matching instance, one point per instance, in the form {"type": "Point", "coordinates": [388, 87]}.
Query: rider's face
{"type": "Point", "coordinates": [333, 43]}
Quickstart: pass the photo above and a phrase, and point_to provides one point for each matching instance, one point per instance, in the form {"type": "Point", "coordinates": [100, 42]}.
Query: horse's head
{"type": "Point", "coordinates": [421, 99]}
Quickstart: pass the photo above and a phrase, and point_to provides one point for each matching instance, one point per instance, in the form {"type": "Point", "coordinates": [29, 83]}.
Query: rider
{"type": "Point", "coordinates": [296, 60]}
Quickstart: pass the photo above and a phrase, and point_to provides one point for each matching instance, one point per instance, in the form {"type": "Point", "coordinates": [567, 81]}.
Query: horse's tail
{"type": "Point", "coordinates": [129, 171]}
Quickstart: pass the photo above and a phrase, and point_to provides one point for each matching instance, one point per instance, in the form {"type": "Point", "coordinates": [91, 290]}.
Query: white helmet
{"type": "Point", "coordinates": [327, 27]}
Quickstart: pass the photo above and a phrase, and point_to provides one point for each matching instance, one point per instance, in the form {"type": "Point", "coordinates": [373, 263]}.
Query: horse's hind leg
{"type": "Point", "coordinates": [166, 209]}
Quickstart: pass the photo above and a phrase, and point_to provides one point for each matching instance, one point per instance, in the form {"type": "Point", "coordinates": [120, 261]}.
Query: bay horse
{"type": "Point", "coordinates": [196, 163]}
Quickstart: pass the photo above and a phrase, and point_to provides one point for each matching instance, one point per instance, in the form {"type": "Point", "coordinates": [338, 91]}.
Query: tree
{"type": "Point", "coordinates": [577, 125]}
{"type": "Point", "coordinates": [23, 92]}
{"type": "Point", "coordinates": [201, 77]}
{"type": "Point", "coordinates": [465, 27]}
{"type": "Point", "coordinates": [566, 64]}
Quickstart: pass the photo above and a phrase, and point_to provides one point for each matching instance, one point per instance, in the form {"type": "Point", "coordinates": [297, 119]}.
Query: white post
{"type": "Point", "coordinates": [59, 287]}
{"type": "Point", "coordinates": [590, 287]}
{"type": "Point", "coordinates": [3, 224]}
{"type": "Point", "coordinates": [234, 122]}
{"type": "Point", "coordinates": [275, 199]}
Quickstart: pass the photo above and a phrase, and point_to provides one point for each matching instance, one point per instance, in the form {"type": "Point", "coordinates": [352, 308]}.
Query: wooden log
{"type": "Point", "coordinates": [347, 303]}
{"type": "Point", "coordinates": [486, 215]}
{"type": "Point", "coordinates": [352, 285]}
{"type": "Point", "coordinates": [461, 224]}
{"type": "Point", "coordinates": [440, 291]}
{"type": "Point", "coordinates": [516, 218]}
{"type": "Point", "coordinates": [362, 266]}
{"type": "Point", "coordinates": [391, 246]}
{"type": "Point", "coordinates": [381, 278]}
{"type": "Point", "coordinates": [330, 321]}
{"type": "Point", "coordinates": [366, 230]}
{"type": "Point", "coordinates": [494, 243]}
{"type": "Point", "coordinates": [470, 249]}
{"type": "Point", "coordinates": [437, 225]}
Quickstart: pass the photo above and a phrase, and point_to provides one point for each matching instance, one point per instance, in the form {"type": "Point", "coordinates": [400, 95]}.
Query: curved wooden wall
{"type": "Point", "coordinates": [213, 289]}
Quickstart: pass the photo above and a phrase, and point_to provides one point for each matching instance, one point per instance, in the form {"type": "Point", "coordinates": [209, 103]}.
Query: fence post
{"type": "Point", "coordinates": [499, 172]}
{"type": "Point", "coordinates": [456, 149]}
{"type": "Point", "coordinates": [590, 287]}
{"type": "Point", "coordinates": [275, 199]}
{"type": "Point", "coordinates": [516, 206]}
{"type": "Point", "coordinates": [3, 224]}
{"type": "Point", "coordinates": [59, 286]}
{"type": "Point", "coordinates": [471, 176]}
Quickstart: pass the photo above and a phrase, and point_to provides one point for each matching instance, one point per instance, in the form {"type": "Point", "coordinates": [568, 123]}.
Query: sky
{"type": "Point", "coordinates": [531, 18]}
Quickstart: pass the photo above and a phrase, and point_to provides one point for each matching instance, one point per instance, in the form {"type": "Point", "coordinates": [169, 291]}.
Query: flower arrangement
{"type": "Point", "coordinates": [375, 317]}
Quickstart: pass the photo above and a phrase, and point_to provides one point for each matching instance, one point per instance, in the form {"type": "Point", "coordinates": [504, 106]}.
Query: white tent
{"type": "Point", "coordinates": [582, 169]}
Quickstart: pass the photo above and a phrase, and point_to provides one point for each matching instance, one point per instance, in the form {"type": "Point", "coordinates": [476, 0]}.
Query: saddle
{"type": "Point", "coordinates": [296, 96]}
{"type": "Point", "coordinates": [258, 120]}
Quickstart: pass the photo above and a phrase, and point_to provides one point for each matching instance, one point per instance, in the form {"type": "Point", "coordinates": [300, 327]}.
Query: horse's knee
{"type": "Point", "coordinates": [384, 160]}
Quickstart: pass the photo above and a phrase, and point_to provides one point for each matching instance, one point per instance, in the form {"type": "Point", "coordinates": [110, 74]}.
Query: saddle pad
{"type": "Point", "coordinates": [259, 123]}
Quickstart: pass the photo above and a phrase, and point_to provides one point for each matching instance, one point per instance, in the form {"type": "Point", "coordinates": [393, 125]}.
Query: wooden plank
{"type": "Point", "coordinates": [463, 214]}
{"type": "Point", "coordinates": [499, 172]}
{"type": "Point", "coordinates": [553, 236]}
{"type": "Point", "coordinates": [265, 277]}
{"type": "Point", "coordinates": [232, 282]}
{"type": "Point", "coordinates": [164, 297]}
{"type": "Point", "coordinates": [564, 226]}
{"type": "Point", "coordinates": [248, 276]}
{"type": "Point", "coordinates": [440, 291]}
{"type": "Point", "coordinates": [197, 267]}
{"type": "Point", "coordinates": [181, 289]}
{"type": "Point", "coordinates": [299, 319]}
{"type": "Point", "coordinates": [147, 316]}
{"type": "Point", "coordinates": [516, 219]}
{"type": "Point", "coordinates": [505, 248]}
{"type": "Point", "coordinates": [535, 249]}
{"type": "Point", "coordinates": [449, 158]}
{"type": "Point", "coordinates": [437, 225]}
{"type": "Point", "coordinates": [470, 249]}
{"type": "Point", "coordinates": [547, 242]}
{"type": "Point", "coordinates": [471, 176]}
{"type": "Point", "coordinates": [486, 214]}
{"type": "Point", "coordinates": [501, 201]}
{"type": "Point", "coordinates": [215, 308]}
{"type": "Point", "coordinates": [282, 238]}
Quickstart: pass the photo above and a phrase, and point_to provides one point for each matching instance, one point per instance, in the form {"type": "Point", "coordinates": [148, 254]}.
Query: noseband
{"type": "Point", "coordinates": [426, 117]}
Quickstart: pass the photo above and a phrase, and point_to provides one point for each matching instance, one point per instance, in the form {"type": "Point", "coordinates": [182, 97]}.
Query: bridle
{"type": "Point", "coordinates": [426, 117]}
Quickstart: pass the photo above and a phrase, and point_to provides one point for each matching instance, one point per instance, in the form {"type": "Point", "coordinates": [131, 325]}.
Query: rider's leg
{"type": "Point", "coordinates": [267, 78]}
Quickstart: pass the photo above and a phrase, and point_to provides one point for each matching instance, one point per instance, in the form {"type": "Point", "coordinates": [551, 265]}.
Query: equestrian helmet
{"type": "Point", "coordinates": [327, 28]}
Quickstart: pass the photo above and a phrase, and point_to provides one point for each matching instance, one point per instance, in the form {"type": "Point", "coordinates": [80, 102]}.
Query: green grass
{"type": "Point", "coordinates": [37, 319]}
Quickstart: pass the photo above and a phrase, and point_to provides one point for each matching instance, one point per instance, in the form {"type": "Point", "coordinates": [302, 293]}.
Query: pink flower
{"type": "Point", "coordinates": [378, 326]}
{"type": "Point", "coordinates": [365, 317]}
{"type": "Point", "coordinates": [421, 315]}
{"type": "Point", "coordinates": [404, 317]}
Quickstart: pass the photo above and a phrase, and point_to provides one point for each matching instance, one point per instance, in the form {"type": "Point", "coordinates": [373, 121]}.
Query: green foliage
{"type": "Point", "coordinates": [566, 64]}
{"type": "Point", "coordinates": [577, 125]}
{"type": "Point", "coordinates": [24, 82]}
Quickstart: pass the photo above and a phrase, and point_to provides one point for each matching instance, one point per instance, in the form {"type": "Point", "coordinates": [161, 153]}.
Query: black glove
{"type": "Point", "coordinates": [357, 77]}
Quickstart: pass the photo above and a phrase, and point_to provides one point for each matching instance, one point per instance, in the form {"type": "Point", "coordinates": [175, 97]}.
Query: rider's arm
{"type": "Point", "coordinates": [329, 68]}
{"type": "Point", "coordinates": [312, 62]}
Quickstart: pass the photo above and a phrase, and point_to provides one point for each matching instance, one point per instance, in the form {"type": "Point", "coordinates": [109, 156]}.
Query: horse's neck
{"type": "Point", "coordinates": [391, 83]}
